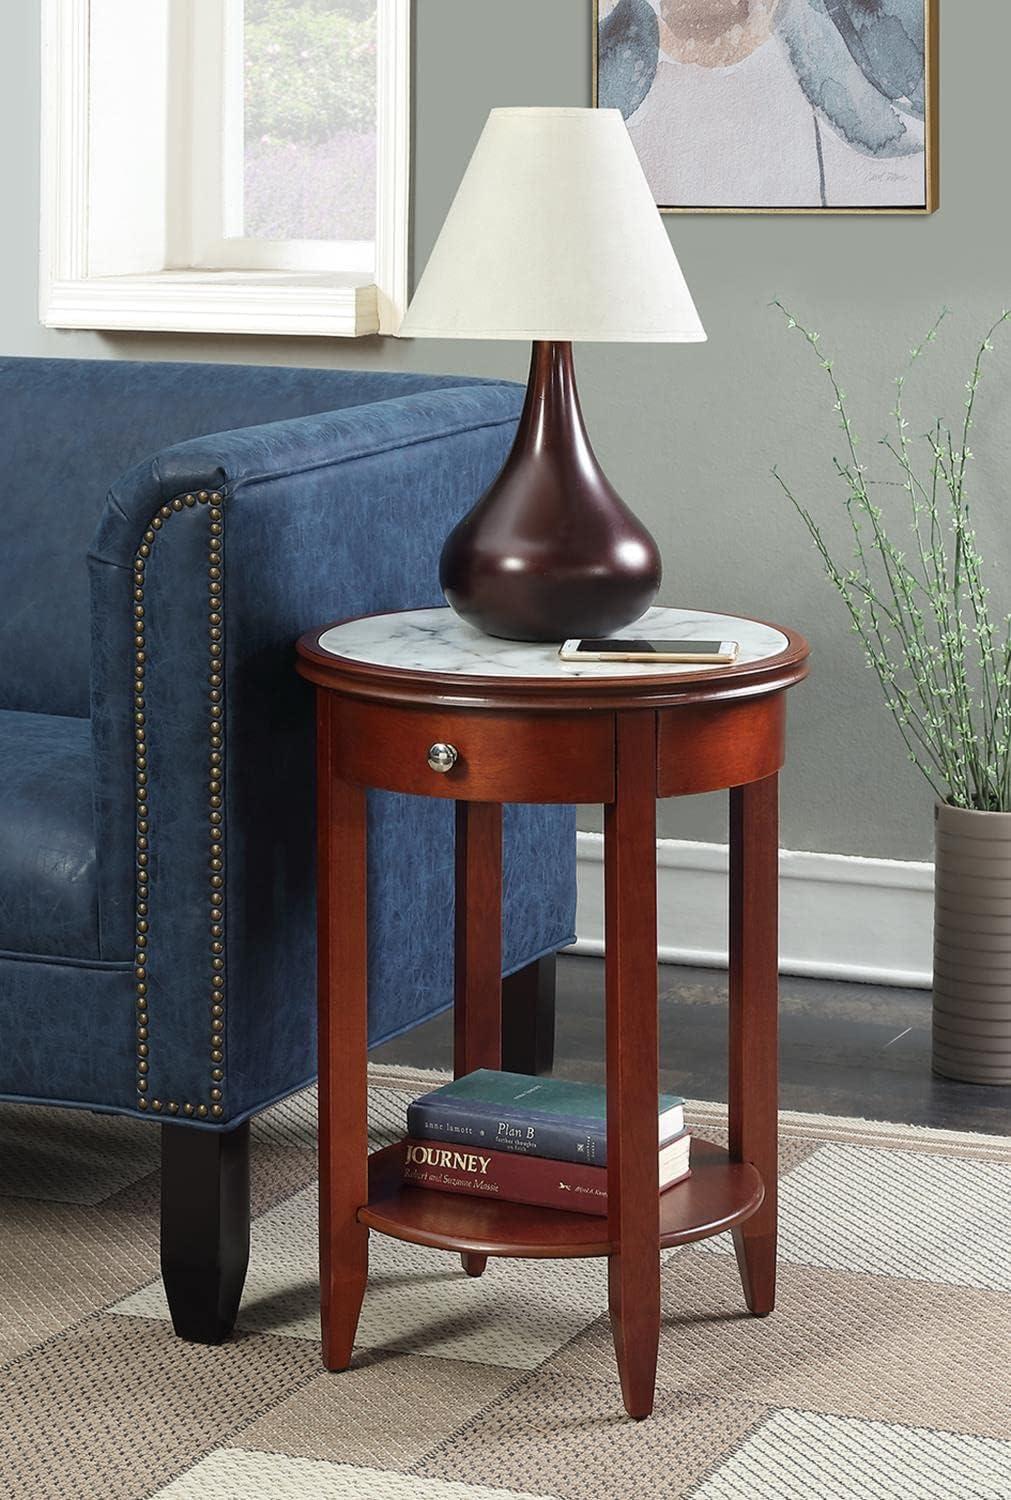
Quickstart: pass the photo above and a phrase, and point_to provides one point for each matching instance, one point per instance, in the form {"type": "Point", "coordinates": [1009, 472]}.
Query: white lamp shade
{"type": "Point", "coordinates": [553, 234]}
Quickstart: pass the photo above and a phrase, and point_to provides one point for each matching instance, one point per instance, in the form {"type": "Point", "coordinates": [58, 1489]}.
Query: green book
{"type": "Point", "coordinates": [533, 1116]}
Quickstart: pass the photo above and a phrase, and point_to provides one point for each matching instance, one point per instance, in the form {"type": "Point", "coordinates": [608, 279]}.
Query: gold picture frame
{"type": "Point", "coordinates": [931, 173]}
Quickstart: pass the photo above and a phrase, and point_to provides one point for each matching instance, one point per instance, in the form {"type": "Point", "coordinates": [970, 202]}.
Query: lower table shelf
{"type": "Point", "coordinates": [719, 1194]}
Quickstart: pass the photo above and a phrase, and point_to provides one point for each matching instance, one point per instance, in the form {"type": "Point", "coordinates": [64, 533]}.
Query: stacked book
{"type": "Point", "coordinates": [528, 1140]}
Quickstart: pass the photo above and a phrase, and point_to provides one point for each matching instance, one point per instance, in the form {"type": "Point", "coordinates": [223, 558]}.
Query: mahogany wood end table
{"type": "Point", "coordinates": [420, 702]}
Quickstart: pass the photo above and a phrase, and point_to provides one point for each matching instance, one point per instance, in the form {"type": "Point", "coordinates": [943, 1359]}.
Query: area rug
{"type": "Point", "coordinates": [882, 1374]}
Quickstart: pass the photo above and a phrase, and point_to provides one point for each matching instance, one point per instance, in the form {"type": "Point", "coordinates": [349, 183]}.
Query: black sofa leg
{"type": "Point", "coordinates": [204, 1228]}
{"type": "Point", "coordinates": [528, 1018]}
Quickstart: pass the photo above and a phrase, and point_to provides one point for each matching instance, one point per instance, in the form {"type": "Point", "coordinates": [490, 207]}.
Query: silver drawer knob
{"type": "Point", "coordinates": [442, 757]}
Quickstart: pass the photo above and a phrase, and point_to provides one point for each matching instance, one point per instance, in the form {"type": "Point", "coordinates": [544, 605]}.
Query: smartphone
{"type": "Point", "coordinates": [629, 650]}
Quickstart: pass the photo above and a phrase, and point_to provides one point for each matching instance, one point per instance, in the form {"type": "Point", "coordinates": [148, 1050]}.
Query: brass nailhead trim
{"type": "Point", "coordinates": [215, 650]}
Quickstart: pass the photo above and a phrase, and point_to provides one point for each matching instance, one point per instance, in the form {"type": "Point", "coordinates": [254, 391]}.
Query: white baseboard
{"type": "Point", "coordinates": [841, 917]}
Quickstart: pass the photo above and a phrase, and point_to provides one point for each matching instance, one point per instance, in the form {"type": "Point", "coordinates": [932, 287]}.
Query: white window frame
{"type": "Point", "coordinates": [88, 204]}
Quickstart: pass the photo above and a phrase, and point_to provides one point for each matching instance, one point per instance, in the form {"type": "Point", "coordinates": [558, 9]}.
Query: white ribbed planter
{"type": "Point", "coordinates": [972, 945]}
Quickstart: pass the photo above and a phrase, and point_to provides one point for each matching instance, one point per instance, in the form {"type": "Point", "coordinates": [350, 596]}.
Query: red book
{"type": "Point", "coordinates": [528, 1179]}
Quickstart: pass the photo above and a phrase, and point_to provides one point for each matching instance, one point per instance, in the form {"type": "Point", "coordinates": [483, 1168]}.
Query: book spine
{"type": "Point", "coordinates": [503, 1175]}
{"type": "Point", "coordinates": [480, 1126]}
{"type": "Point", "coordinates": [509, 1178]}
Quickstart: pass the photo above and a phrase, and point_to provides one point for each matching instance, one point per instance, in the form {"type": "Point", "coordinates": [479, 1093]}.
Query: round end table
{"type": "Point", "coordinates": [420, 702]}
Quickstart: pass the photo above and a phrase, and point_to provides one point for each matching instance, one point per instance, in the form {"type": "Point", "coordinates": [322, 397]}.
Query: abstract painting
{"type": "Point", "coordinates": [764, 105]}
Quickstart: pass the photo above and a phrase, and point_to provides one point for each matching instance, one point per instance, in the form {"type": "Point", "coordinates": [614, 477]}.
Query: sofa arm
{"type": "Point", "coordinates": [208, 563]}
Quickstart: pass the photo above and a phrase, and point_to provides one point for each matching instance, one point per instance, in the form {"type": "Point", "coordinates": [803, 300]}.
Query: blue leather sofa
{"type": "Point", "coordinates": [166, 532]}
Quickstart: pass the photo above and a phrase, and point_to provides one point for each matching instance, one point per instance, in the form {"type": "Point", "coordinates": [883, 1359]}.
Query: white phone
{"type": "Point", "coordinates": [720, 652]}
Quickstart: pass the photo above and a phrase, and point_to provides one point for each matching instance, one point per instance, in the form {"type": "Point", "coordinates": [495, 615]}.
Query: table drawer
{"type": "Point", "coordinates": [498, 757]}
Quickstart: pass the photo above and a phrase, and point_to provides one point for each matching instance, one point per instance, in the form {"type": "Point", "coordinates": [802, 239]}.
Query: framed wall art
{"type": "Point", "coordinates": [776, 106]}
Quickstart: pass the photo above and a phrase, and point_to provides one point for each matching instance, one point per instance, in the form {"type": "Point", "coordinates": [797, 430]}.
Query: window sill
{"type": "Point", "coordinates": [321, 304]}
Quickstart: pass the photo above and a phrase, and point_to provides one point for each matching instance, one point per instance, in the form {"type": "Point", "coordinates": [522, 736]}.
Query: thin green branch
{"type": "Point", "coordinates": [925, 623]}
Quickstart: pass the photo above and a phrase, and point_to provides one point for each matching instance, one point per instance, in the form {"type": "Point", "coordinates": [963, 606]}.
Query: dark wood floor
{"type": "Point", "coordinates": [847, 1049]}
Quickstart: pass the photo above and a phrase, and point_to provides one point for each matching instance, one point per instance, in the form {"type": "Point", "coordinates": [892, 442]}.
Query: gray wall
{"type": "Point", "coordinates": [688, 434]}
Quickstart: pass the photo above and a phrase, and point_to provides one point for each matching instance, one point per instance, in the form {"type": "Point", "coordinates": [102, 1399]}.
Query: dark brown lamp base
{"type": "Point", "coordinates": [550, 551]}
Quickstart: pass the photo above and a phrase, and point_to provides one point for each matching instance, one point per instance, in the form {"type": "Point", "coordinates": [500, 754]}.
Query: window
{"type": "Point", "coordinates": [225, 165]}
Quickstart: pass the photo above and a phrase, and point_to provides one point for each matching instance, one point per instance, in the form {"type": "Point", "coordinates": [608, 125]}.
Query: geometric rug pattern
{"type": "Point", "coordinates": [882, 1374]}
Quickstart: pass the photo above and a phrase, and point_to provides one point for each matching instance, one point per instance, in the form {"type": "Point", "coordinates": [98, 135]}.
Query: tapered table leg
{"type": "Point", "coordinates": [343, 1042]}
{"type": "Point", "coordinates": [754, 1023]}
{"type": "Point", "coordinates": [632, 1062]}
{"type": "Point", "coordinates": [477, 1013]}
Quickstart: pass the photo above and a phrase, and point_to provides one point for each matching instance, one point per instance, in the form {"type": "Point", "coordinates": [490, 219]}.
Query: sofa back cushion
{"type": "Point", "coordinates": [68, 429]}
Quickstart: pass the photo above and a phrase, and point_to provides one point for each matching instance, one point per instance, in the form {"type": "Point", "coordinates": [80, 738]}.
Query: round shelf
{"type": "Point", "coordinates": [719, 1194]}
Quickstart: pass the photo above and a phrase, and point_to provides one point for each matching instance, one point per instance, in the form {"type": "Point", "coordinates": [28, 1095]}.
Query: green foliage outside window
{"type": "Point", "coordinates": [310, 69]}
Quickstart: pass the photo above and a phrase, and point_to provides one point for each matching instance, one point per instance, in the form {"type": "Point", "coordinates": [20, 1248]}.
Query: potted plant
{"type": "Point", "coordinates": [923, 614]}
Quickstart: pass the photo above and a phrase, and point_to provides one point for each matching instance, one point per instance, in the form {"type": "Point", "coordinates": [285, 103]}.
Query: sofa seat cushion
{"type": "Point", "coordinates": [48, 877]}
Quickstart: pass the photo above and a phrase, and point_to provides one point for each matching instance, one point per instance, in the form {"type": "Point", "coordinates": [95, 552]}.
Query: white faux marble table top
{"type": "Point", "coordinates": [437, 640]}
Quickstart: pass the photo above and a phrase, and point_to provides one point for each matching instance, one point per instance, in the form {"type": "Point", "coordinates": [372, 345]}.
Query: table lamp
{"type": "Point", "coordinates": [553, 236]}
